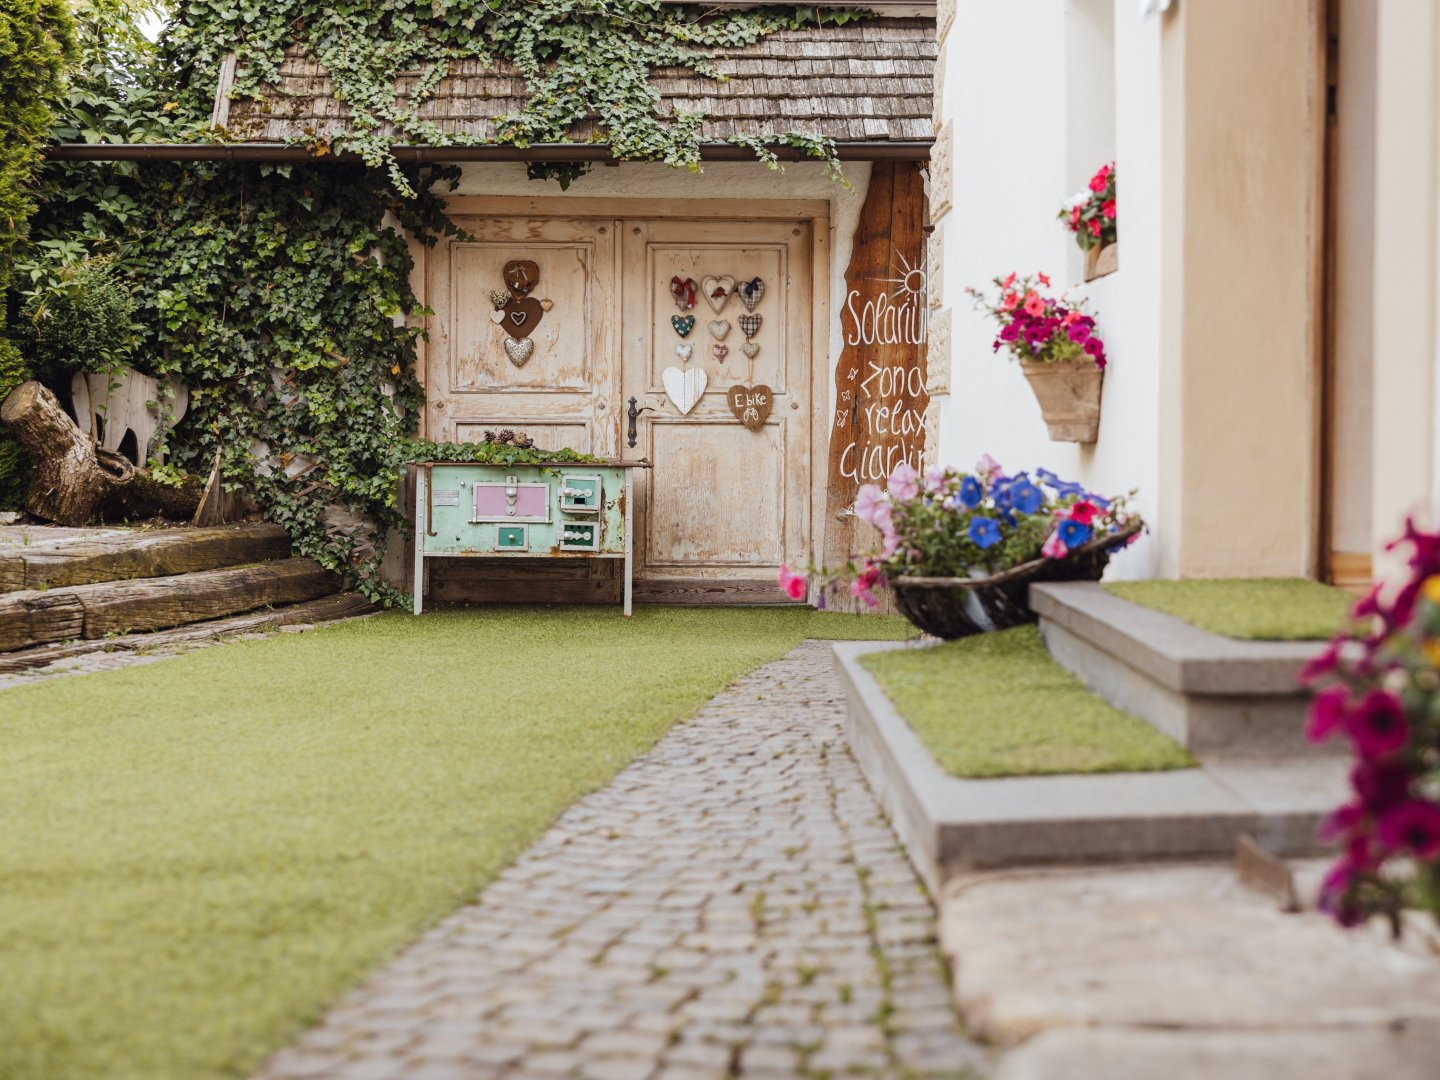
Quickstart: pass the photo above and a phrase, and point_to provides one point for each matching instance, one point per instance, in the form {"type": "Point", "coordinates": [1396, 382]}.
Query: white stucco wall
{"type": "Point", "coordinates": [718, 180]}
{"type": "Point", "coordinates": [1014, 73]}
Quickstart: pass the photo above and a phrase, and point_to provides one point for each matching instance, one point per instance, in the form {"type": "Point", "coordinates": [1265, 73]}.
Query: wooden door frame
{"type": "Point", "coordinates": [814, 211]}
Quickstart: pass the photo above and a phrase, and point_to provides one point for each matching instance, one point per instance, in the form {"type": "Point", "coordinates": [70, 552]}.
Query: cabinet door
{"type": "Point", "coordinates": [562, 393]}
{"type": "Point", "coordinates": [723, 504]}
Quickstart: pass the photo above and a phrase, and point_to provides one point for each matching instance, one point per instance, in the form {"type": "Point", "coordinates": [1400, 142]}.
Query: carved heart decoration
{"type": "Point", "coordinates": [750, 325]}
{"type": "Point", "coordinates": [719, 328]}
{"type": "Point", "coordinates": [547, 304]}
{"type": "Point", "coordinates": [750, 349]}
{"type": "Point", "coordinates": [718, 290]}
{"type": "Point", "coordinates": [683, 324]}
{"type": "Point", "coordinates": [684, 350]}
{"type": "Point", "coordinates": [519, 350]}
{"type": "Point", "coordinates": [684, 388]}
{"type": "Point", "coordinates": [500, 299]}
{"type": "Point", "coordinates": [521, 275]}
{"type": "Point", "coordinates": [497, 316]}
{"type": "Point", "coordinates": [522, 316]}
{"type": "Point", "coordinates": [750, 292]}
{"type": "Point", "coordinates": [683, 290]}
{"type": "Point", "coordinates": [720, 351]}
{"type": "Point", "coordinates": [750, 404]}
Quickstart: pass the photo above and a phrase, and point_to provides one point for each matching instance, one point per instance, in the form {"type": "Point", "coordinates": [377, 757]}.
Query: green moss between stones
{"type": "Point", "coordinates": [998, 705]}
{"type": "Point", "coordinates": [200, 854]}
{"type": "Point", "coordinates": [1259, 609]}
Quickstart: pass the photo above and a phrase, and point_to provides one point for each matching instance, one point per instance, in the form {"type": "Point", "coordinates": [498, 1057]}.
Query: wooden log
{"type": "Point", "coordinates": [326, 609]}
{"type": "Point", "coordinates": [122, 607]}
{"type": "Point", "coordinates": [151, 553]}
{"type": "Point", "coordinates": [35, 618]}
{"type": "Point", "coordinates": [74, 482]}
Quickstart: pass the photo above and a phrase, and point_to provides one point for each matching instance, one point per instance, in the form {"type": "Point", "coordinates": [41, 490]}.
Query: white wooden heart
{"type": "Point", "coordinates": [685, 387]}
{"type": "Point", "coordinates": [719, 328]}
{"type": "Point", "coordinates": [684, 350]}
{"type": "Point", "coordinates": [497, 316]}
{"type": "Point", "coordinates": [718, 290]}
{"type": "Point", "coordinates": [519, 350]}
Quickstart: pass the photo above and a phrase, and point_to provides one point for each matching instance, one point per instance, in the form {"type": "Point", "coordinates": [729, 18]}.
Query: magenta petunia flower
{"type": "Point", "coordinates": [1380, 784]}
{"type": "Point", "coordinates": [1326, 714]}
{"type": "Point", "coordinates": [1412, 826]}
{"type": "Point", "coordinates": [1339, 823]}
{"type": "Point", "coordinates": [1377, 724]}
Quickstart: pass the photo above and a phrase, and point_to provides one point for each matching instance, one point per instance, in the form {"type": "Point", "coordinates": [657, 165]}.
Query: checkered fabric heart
{"type": "Point", "coordinates": [749, 324]}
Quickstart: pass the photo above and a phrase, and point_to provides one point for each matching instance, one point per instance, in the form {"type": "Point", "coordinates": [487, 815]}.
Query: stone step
{"type": "Point", "coordinates": [326, 609]}
{"type": "Point", "coordinates": [43, 557]}
{"type": "Point", "coordinates": [1219, 697]}
{"type": "Point", "coordinates": [96, 610]}
{"type": "Point", "coordinates": [951, 826]}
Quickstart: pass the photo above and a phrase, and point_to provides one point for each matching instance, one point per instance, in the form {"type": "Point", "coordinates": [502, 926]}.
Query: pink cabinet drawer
{"type": "Point", "coordinates": [495, 502]}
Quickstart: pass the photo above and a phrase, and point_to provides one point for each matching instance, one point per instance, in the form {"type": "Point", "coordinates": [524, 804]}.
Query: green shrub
{"type": "Point", "coordinates": [14, 469]}
{"type": "Point", "coordinates": [75, 317]}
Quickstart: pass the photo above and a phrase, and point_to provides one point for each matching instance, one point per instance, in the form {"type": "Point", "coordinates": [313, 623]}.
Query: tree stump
{"type": "Point", "coordinates": [74, 482]}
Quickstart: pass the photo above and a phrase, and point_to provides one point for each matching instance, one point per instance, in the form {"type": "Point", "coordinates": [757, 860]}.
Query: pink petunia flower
{"type": "Point", "coordinates": [1043, 279]}
{"type": "Point", "coordinates": [1084, 512]}
{"type": "Point", "coordinates": [1326, 714]}
{"type": "Point", "coordinates": [794, 584]}
{"type": "Point", "coordinates": [1377, 724]}
{"type": "Point", "coordinates": [902, 482]}
{"type": "Point", "coordinates": [1009, 301]}
{"type": "Point", "coordinates": [1010, 280]}
{"type": "Point", "coordinates": [868, 500]}
{"type": "Point", "coordinates": [1054, 547]}
{"type": "Point", "coordinates": [1034, 306]}
{"type": "Point", "coordinates": [934, 478]}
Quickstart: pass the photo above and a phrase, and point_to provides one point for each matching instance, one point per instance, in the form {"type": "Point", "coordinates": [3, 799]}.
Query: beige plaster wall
{"type": "Point", "coordinates": [1407, 153]}
{"type": "Point", "coordinates": [1239, 401]}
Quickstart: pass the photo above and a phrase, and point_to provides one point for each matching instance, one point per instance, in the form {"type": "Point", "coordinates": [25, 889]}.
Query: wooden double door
{"type": "Point", "coordinates": [722, 505]}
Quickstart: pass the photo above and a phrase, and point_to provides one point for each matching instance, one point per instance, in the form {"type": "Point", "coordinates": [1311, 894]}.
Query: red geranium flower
{"type": "Point", "coordinates": [1108, 208]}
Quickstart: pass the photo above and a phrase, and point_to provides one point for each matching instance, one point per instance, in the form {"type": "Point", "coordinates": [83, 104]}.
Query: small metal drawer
{"type": "Point", "coordinates": [579, 536]}
{"type": "Point", "coordinates": [512, 537]}
{"type": "Point", "coordinates": [581, 494]}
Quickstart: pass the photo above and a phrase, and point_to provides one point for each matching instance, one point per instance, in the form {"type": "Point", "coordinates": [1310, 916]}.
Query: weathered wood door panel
{"type": "Point", "coordinates": [562, 394]}
{"type": "Point", "coordinates": [722, 502]}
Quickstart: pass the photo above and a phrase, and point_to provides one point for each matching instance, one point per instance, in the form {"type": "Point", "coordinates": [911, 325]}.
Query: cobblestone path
{"type": "Point", "coordinates": [733, 904]}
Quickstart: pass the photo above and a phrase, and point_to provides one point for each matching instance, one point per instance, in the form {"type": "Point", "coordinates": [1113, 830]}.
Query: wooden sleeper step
{"type": "Point", "coordinates": [147, 554]}
{"type": "Point", "coordinates": [325, 609]}
{"type": "Point", "coordinates": [121, 607]}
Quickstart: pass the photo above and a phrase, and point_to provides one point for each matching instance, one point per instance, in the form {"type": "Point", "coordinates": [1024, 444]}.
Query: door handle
{"type": "Point", "coordinates": [634, 414]}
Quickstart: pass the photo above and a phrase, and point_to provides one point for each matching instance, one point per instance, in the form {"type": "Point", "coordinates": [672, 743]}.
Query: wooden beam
{"type": "Point", "coordinates": [139, 555]}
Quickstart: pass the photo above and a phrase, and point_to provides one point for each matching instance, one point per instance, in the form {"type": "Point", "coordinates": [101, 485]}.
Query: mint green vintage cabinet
{"type": "Point", "coordinates": [464, 510]}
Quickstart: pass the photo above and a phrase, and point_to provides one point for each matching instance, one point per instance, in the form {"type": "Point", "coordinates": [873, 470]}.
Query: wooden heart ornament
{"type": "Point", "coordinates": [683, 324]}
{"type": "Point", "coordinates": [718, 290]}
{"type": "Point", "coordinates": [750, 292]}
{"type": "Point", "coordinates": [685, 387]}
{"type": "Point", "coordinates": [750, 404]}
{"type": "Point", "coordinates": [519, 350]}
{"type": "Point", "coordinates": [522, 316]}
{"type": "Point", "coordinates": [521, 275]}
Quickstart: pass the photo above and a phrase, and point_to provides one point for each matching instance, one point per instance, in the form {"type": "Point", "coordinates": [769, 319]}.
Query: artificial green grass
{"type": "Point", "coordinates": [998, 705]}
{"type": "Point", "coordinates": [1260, 609]}
{"type": "Point", "coordinates": [199, 854]}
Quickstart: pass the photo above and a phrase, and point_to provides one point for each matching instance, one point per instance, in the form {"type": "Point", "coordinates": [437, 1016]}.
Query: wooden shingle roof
{"type": "Point", "coordinates": [865, 82]}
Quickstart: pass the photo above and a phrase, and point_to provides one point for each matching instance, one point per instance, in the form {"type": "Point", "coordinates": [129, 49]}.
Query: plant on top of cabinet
{"type": "Point", "coordinates": [1062, 357]}
{"type": "Point", "coordinates": [1091, 216]}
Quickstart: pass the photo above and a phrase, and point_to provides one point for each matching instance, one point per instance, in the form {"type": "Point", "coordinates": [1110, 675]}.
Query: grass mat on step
{"type": "Point", "coordinates": [998, 705]}
{"type": "Point", "coordinates": [200, 854]}
{"type": "Point", "coordinates": [1260, 609]}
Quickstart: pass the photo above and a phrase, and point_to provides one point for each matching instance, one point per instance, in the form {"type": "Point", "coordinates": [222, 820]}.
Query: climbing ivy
{"type": "Point", "coordinates": [579, 58]}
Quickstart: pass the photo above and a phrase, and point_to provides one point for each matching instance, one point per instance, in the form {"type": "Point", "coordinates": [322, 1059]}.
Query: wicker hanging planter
{"type": "Point", "coordinates": [1069, 397]}
{"type": "Point", "coordinates": [958, 607]}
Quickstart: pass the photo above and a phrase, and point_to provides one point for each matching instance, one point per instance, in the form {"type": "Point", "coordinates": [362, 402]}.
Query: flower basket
{"type": "Point", "coordinates": [949, 607]}
{"type": "Point", "coordinates": [1100, 261]}
{"type": "Point", "coordinates": [1069, 395]}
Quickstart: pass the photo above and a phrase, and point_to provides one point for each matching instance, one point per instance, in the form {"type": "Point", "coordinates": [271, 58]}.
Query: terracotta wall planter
{"type": "Point", "coordinates": [1100, 261]}
{"type": "Point", "coordinates": [1069, 397]}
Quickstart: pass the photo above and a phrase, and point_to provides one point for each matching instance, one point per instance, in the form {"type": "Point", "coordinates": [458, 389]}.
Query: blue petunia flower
{"type": "Point", "coordinates": [984, 533]}
{"type": "Point", "coordinates": [971, 493]}
{"type": "Point", "coordinates": [1026, 497]}
{"type": "Point", "coordinates": [1060, 487]}
{"type": "Point", "coordinates": [1073, 533]}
